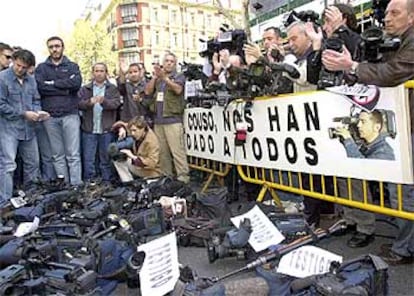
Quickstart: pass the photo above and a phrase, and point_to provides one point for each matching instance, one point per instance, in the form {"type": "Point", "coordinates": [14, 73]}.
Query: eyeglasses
{"type": "Point", "coordinates": [54, 46]}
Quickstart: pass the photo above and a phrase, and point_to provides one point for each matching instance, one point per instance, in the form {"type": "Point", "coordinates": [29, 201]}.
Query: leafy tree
{"type": "Point", "coordinates": [88, 45]}
{"type": "Point", "coordinates": [231, 18]}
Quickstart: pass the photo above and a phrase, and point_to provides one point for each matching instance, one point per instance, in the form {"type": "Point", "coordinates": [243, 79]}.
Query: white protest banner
{"type": "Point", "coordinates": [264, 232]}
{"type": "Point", "coordinates": [306, 261]}
{"type": "Point", "coordinates": [298, 133]}
{"type": "Point", "coordinates": [160, 270]}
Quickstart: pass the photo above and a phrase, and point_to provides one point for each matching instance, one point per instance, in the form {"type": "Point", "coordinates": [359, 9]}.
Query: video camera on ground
{"type": "Point", "coordinates": [9, 277]}
{"type": "Point", "coordinates": [374, 43]}
{"type": "Point", "coordinates": [114, 149]}
{"type": "Point", "coordinates": [232, 245]}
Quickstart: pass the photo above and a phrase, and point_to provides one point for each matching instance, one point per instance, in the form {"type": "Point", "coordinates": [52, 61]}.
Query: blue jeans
{"type": "Point", "coordinates": [29, 152]}
{"type": "Point", "coordinates": [47, 170]}
{"type": "Point", "coordinates": [64, 136]}
{"type": "Point", "coordinates": [91, 144]}
{"type": "Point", "coordinates": [403, 244]}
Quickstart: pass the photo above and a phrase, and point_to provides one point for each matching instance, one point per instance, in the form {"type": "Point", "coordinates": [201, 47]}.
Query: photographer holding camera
{"type": "Point", "coordinates": [339, 26]}
{"type": "Point", "coordinates": [143, 158]}
{"type": "Point", "coordinates": [272, 47]}
{"type": "Point", "coordinates": [394, 68]}
{"type": "Point", "coordinates": [374, 144]}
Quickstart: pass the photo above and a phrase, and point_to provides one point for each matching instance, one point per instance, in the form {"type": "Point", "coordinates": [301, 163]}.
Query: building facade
{"type": "Point", "coordinates": [142, 31]}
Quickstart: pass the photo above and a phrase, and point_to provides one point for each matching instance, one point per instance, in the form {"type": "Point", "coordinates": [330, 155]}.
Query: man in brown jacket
{"type": "Point", "coordinates": [143, 160]}
{"type": "Point", "coordinates": [395, 68]}
{"type": "Point", "coordinates": [99, 101]}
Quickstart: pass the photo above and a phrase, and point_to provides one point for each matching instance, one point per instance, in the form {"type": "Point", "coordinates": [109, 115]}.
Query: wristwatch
{"type": "Point", "coordinates": [354, 69]}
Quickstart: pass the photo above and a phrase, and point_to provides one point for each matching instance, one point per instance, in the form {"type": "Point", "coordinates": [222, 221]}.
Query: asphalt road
{"type": "Point", "coordinates": [401, 278]}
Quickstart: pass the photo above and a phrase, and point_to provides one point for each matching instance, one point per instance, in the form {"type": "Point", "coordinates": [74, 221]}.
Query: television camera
{"type": "Point", "coordinates": [232, 40]}
{"type": "Point", "coordinates": [374, 43]}
{"type": "Point", "coordinates": [304, 16]}
{"type": "Point", "coordinates": [389, 128]}
{"type": "Point", "coordinates": [114, 149]}
{"type": "Point", "coordinates": [234, 243]}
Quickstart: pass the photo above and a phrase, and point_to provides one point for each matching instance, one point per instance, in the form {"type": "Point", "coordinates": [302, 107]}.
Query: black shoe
{"type": "Point", "coordinates": [360, 240]}
{"type": "Point", "coordinates": [393, 258]}
{"type": "Point", "coordinates": [349, 229]}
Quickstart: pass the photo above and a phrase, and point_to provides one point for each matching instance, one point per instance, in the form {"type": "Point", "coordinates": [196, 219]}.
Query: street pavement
{"type": "Point", "coordinates": [401, 278]}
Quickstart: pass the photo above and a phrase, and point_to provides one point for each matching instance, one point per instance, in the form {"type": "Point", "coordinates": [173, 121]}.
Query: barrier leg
{"type": "Point", "coordinates": [272, 193]}
{"type": "Point", "coordinates": [207, 183]}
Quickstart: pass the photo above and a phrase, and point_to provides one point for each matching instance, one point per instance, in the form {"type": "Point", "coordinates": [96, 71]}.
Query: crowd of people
{"type": "Point", "coordinates": [59, 127]}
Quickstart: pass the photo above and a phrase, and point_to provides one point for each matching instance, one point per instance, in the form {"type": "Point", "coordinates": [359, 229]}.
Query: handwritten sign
{"type": "Point", "coordinates": [160, 270]}
{"type": "Point", "coordinates": [306, 261]}
{"type": "Point", "coordinates": [264, 232]}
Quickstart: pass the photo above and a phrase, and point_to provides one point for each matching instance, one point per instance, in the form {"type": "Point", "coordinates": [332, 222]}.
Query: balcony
{"type": "Point", "coordinates": [130, 43]}
{"type": "Point", "coordinates": [129, 19]}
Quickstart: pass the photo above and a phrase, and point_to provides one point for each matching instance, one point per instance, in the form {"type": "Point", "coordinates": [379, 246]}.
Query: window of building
{"type": "Point", "coordinates": [173, 17]}
{"type": "Point", "coordinates": [129, 37]}
{"type": "Point", "coordinates": [129, 13]}
{"type": "Point", "coordinates": [130, 57]}
{"type": "Point", "coordinates": [174, 39]}
{"type": "Point", "coordinates": [156, 40]}
{"type": "Point", "coordinates": [192, 17]}
{"type": "Point", "coordinates": [208, 21]}
{"type": "Point", "coordinates": [155, 15]}
{"type": "Point", "coordinates": [129, 34]}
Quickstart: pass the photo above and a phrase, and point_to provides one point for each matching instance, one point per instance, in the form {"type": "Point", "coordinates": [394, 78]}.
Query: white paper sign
{"type": "Point", "coordinates": [264, 232]}
{"type": "Point", "coordinates": [192, 88]}
{"type": "Point", "coordinates": [27, 227]}
{"type": "Point", "coordinates": [306, 261]}
{"type": "Point", "coordinates": [160, 270]}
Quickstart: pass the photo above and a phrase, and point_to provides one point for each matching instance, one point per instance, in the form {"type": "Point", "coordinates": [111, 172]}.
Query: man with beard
{"type": "Point", "coordinates": [59, 80]}
{"type": "Point", "coordinates": [132, 91]}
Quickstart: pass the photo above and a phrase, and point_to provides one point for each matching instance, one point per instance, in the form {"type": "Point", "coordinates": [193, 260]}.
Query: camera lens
{"type": "Point", "coordinates": [332, 133]}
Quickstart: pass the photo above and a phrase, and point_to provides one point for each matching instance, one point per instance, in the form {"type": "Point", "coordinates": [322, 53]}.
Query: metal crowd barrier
{"type": "Point", "coordinates": [314, 186]}
{"type": "Point", "coordinates": [272, 180]}
{"type": "Point", "coordinates": [211, 167]}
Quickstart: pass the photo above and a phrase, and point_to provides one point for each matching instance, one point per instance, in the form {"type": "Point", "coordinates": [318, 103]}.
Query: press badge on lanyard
{"type": "Point", "coordinates": [160, 96]}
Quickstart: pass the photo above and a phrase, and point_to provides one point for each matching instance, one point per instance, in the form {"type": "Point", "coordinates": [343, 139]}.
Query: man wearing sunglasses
{"type": "Point", "coordinates": [5, 56]}
{"type": "Point", "coordinates": [58, 81]}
